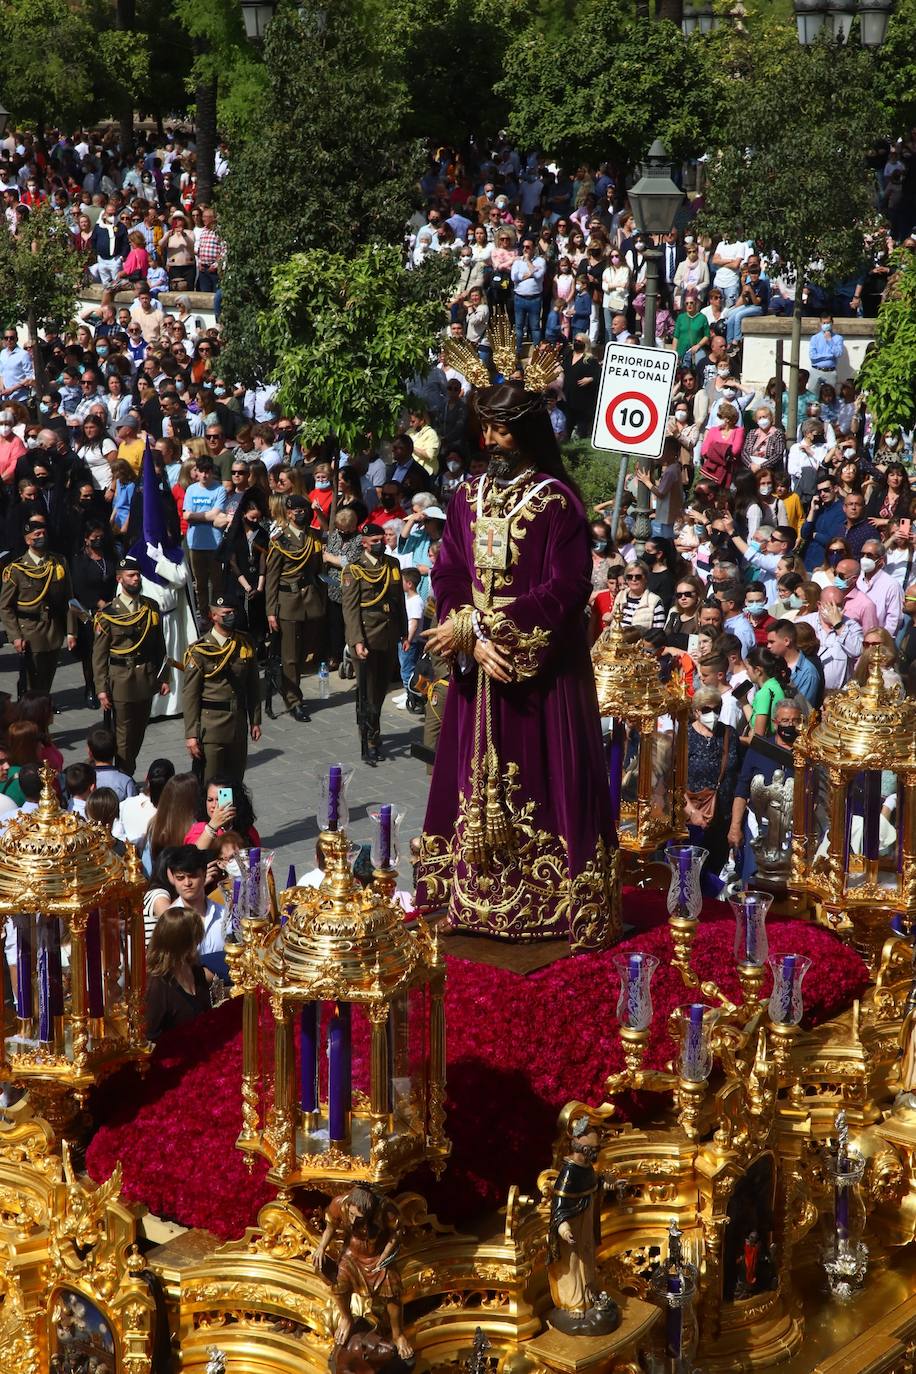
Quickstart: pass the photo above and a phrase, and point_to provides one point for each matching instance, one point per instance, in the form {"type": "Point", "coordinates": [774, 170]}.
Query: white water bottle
{"type": "Point", "coordinates": [324, 682]}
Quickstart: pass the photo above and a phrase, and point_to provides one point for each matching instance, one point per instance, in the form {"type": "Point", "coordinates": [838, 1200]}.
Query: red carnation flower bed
{"type": "Point", "coordinates": [519, 1048]}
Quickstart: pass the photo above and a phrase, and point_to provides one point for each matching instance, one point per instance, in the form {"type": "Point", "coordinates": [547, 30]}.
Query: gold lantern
{"type": "Point", "coordinates": [646, 746]}
{"type": "Point", "coordinates": [854, 822]}
{"type": "Point", "coordinates": [72, 916]}
{"type": "Point", "coordinates": [345, 946]}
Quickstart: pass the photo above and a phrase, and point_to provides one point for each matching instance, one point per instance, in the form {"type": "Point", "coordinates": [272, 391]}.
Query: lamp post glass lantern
{"type": "Point", "coordinates": [811, 16]}
{"type": "Point", "coordinates": [257, 14]}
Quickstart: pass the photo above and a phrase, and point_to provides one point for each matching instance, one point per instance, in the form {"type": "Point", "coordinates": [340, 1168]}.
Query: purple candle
{"type": "Point", "coordinates": [44, 986]}
{"type": "Point", "coordinates": [308, 1050]}
{"type": "Point", "coordinates": [871, 814]}
{"type": "Point", "coordinates": [24, 1004]}
{"type": "Point", "coordinates": [788, 983]}
{"type": "Point", "coordinates": [384, 835]}
{"type": "Point", "coordinates": [693, 1043]}
{"type": "Point", "coordinates": [95, 988]}
{"type": "Point", "coordinates": [674, 1322]}
{"type": "Point", "coordinates": [339, 1073]}
{"type": "Point", "coordinates": [55, 967]}
{"type": "Point", "coordinates": [634, 971]}
{"type": "Point", "coordinates": [750, 929]}
{"type": "Point", "coordinates": [254, 882]}
{"type": "Point", "coordinates": [615, 755]}
{"type": "Point", "coordinates": [841, 1209]}
{"type": "Point", "coordinates": [684, 859]}
{"type": "Point", "coordinates": [291, 876]}
{"type": "Point", "coordinates": [335, 779]}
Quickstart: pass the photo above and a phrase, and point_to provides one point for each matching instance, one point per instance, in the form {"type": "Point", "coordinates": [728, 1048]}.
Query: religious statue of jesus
{"type": "Point", "coordinates": [518, 839]}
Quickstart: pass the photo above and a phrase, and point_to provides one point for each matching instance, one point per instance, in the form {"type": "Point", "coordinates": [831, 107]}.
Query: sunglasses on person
{"type": "Point", "coordinates": [633, 577]}
{"type": "Point", "coordinates": [213, 438]}
{"type": "Point", "coordinates": [9, 337]}
{"type": "Point", "coordinates": [239, 472]}
{"type": "Point", "coordinates": [686, 595]}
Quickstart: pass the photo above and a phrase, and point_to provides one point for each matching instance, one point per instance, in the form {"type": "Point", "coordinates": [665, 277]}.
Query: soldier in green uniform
{"type": "Point", "coordinates": [221, 696]}
{"type": "Point", "coordinates": [296, 599]}
{"type": "Point", "coordinates": [34, 598]}
{"type": "Point", "coordinates": [375, 622]}
{"type": "Point", "coordinates": [129, 662]}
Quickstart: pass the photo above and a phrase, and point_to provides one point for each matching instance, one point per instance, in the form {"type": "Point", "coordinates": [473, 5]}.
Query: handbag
{"type": "Point", "coordinates": [700, 807]}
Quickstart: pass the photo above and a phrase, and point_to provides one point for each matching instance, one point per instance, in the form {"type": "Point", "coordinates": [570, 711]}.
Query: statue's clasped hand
{"type": "Point", "coordinates": [495, 662]}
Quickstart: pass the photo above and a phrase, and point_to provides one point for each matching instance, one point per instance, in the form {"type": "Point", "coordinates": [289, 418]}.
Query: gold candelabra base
{"type": "Point", "coordinates": [384, 880]}
{"type": "Point", "coordinates": [750, 976]}
{"type": "Point", "coordinates": [634, 1048]}
{"type": "Point", "coordinates": [783, 1039]}
{"type": "Point", "coordinates": [690, 1097]}
{"type": "Point", "coordinates": [683, 933]}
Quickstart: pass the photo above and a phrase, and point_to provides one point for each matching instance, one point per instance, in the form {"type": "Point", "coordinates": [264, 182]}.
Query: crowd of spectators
{"type": "Point", "coordinates": [775, 565]}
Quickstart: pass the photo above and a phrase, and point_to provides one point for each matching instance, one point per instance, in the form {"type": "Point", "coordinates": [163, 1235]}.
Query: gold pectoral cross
{"type": "Point", "coordinates": [491, 543]}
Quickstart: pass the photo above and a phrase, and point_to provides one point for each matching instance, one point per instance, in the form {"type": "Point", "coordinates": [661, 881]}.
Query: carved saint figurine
{"type": "Point", "coordinates": [369, 1226]}
{"type": "Point", "coordinates": [572, 1239]}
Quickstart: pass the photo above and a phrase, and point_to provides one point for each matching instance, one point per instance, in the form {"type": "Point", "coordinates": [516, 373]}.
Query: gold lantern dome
{"type": "Point", "coordinates": [54, 860]}
{"type": "Point", "coordinates": [626, 677]}
{"type": "Point", "coordinates": [341, 941]}
{"type": "Point", "coordinates": [866, 725]}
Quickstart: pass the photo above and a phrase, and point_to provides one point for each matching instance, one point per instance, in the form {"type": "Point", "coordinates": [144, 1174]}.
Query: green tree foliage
{"type": "Point", "coordinates": [450, 57]}
{"type": "Point", "coordinates": [895, 64]}
{"type": "Point", "coordinates": [889, 367]}
{"type": "Point", "coordinates": [322, 165]}
{"type": "Point", "coordinates": [39, 276]}
{"type": "Point", "coordinates": [790, 169]}
{"type": "Point", "coordinates": [348, 330]}
{"type": "Point", "coordinates": [50, 78]}
{"type": "Point", "coordinates": [609, 87]}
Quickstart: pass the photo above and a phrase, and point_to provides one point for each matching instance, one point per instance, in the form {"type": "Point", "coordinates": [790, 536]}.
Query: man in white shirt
{"type": "Point", "coordinates": [728, 260]}
{"type": "Point", "coordinates": [839, 638]}
{"type": "Point", "coordinates": [188, 876]}
{"type": "Point", "coordinates": [884, 591]}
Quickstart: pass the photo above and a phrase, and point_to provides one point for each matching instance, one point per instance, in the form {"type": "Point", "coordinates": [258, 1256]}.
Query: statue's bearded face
{"type": "Point", "coordinates": [506, 458]}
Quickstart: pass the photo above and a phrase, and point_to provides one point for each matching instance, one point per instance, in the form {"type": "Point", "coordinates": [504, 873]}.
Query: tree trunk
{"type": "Point", "coordinates": [642, 9]}
{"type": "Point", "coordinates": [205, 96]}
{"type": "Point", "coordinates": [670, 9]}
{"type": "Point", "coordinates": [126, 20]}
{"type": "Point", "coordinates": [794, 360]}
{"type": "Point", "coordinates": [38, 357]}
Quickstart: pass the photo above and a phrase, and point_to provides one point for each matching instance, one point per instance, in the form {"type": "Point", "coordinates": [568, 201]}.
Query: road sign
{"type": "Point", "coordinates": [636, 387]}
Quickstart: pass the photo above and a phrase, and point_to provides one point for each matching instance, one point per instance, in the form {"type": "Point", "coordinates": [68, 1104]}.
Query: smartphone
{"type": "Point", "coordinates": [224, 796]}
{"type": "Point", "coordinates": [905, 526]}
{"type": "Point", "coordinates": [741, 691]}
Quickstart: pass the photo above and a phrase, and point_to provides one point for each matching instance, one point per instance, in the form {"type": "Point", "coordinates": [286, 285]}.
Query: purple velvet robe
{"type": "Point", "coordinates": [555, 878]}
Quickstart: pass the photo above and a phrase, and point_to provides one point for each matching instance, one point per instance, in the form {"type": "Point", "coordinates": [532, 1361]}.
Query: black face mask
{"type": "Point", "coordinates": [300, 517]}
{"type": "Point", "coordinates": [228, 621]}
{"type": "Point", "coordinates": [789, 733]}
{"type": "Point", "coordinates": [377, 549]}
{"type": "Point", "coordinates": [388, 501]}
{"type": "Point", "coordinates": [95, 543]}
{"type": "Point", "coordinates": [39, 541]}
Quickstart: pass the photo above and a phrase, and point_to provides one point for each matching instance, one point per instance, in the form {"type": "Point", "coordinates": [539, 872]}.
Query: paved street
{"type": "Point", "coordinates": [281, 768]}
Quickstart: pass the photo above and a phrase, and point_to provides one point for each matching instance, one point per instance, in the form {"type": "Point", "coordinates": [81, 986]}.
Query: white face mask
{"type": "Point", "coordinates": [764, 422]}
{"type": "Point", "coordinates": [709, 718]}
{"type": "Point", "coordinates": [765, 491]}
{"type": "Point", "coordinates": [680, 415]}
{"type": "Point", "coordinates": [724, 371]}
{"type": "Point", "coordinates": [867, 564]}
{"type": "Point", "coordinates": [6, 429]}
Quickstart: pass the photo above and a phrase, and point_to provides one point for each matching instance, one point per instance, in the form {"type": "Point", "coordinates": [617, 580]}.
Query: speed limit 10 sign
{"type": "Point", "coordinates": [636, 387]}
